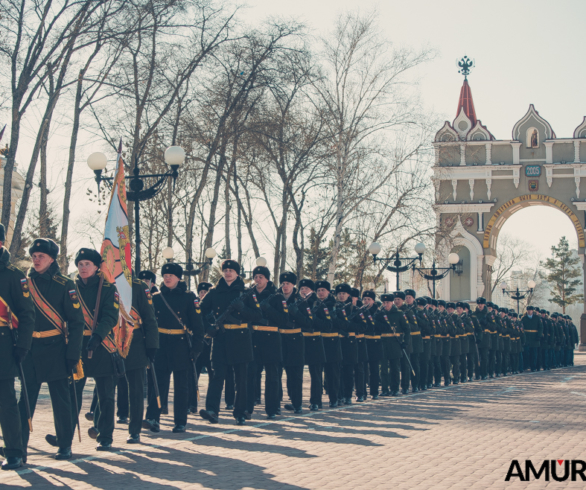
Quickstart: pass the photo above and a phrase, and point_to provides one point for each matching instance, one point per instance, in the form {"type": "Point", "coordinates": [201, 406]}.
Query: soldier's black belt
{"type": "Point", "coordinates": [262, 328]}
{"type": "Point", "coordinates": [390, 334]}
{"type": "Point", "coordinates": [311, 334]}
{"type": "Point", "coordinates": [174, 331]}
{"type": "Point", "coordinates": [290, 330]}
{"type": "Point", "coordinates": [426, 338]}
{"type": "Point", "coordinates": [329, 335]}
{"type": "Point", "coordinates": [532, 331]}
{"type": "Point", "coordinates": [415, 333]}
{"type": "Point", "coordinates": [372, 337]}
{"type": "Point", "coordinates": [46, 333]}
{"type": "Point", "coordinates": [235, 327]}
{"type": "Point", "coordinates": [359, 335]}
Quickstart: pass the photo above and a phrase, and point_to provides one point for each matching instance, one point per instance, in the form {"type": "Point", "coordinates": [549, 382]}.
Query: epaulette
{"type": "Point", "coordinates": [136, 281]}
{"type": "Point", "coordinates": [107, 284]}
{"type": "Point", "coordinates": [11, 267]}
{"type": "Point", "coordinates": [61, 279]}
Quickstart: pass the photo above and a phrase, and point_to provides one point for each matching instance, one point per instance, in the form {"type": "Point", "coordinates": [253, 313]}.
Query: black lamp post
{"type": "Point", "coordinates": [437, 273]}
{"type": "Point", "coordinates": [400, 264]}
{"type": "Point", "coordinates": [190, 271]}
{"type": "Point", "coordinates": [174, 157]}
{"type": "Point", "coordinates": [516, 294]}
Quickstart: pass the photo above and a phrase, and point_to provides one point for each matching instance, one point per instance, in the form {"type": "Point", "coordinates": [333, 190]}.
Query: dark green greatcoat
{"type": "Point", "coordinates": [47, 359]}
{"type": "Point", "coordinates": [14, 292]}
{"type": "Point", "coordinates": [147, 335]}
{"type": "Point", "coordinates": [101, 362]}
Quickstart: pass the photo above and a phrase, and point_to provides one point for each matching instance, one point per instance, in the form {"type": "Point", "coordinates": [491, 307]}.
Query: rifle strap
{"type": "Point", "coordinates": [172, 312]}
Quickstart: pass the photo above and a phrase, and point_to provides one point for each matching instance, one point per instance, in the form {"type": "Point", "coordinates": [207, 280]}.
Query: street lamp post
{"type": "Point", "coordinates": [400, 264]}
{"type": "Point", "coordinates": [174, 157]}
{"type": "Point", "coordinates": [437, 273]}
{"type": "Point", "coordinates": [190, 271]}
{"type": "Point", "coordinates": [516, 294]}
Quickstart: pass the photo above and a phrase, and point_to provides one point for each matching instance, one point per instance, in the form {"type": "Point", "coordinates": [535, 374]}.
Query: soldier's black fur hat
{"type": "Point", "coordinates": [465, 305]}
{"type": "Point", "coordinates": [451, 304]}
{"type": "Point", "coordinates": [308, 283]}
{"type": "Point", "coordinates": [172, 268]}
{"type": "Point", "coordinates": [355, 293]}
{"type": "Point", "coordinates": [323, 284]}
{"type": "Point", "coordinates": [514, 315]}
{"type": "Point", "coordinates": [2, 233]}
{"type": "Point", "coordinates": [231, 264]}
{"type": "Point", "coordinates": [421, 301]}
{"type": "Point", "coordinates": [45, 246]}
{"type": "Point", "coordinates": [343, 288]}
{"type": "Point", "coordinates": [441, 302]}
{"type": "Point", "coordinates": [369, 294]}
{"type": "Point", "coordinates": [147, 275]}
{"type": "Point", "coordinates": [387, 297]}
{"type": "Point", "coordinates": [410, 292]}
{"type": "Point", "coordinates": [88, 254]}
{"type": "Point", "coordinates": [400, 295]}
{"type": "Point", "coordinates": [489, 304]}
{"type": "Point", "coordinates": [503, 310]}
{"type": "Point", "coordinates": [481, 301]}
{"type": "Point", "coordinates": [435, 302]}
{"type": "Point", "coordinates": [204, 286]}
{"type": "Point", "coordinates": [263, 271]}
{"type": "Point", "coordinates": [530, 307]}
{"type": "Point", "coordinates": [460, 304]}
{"type": "Point", "coordinates": [288, 277]}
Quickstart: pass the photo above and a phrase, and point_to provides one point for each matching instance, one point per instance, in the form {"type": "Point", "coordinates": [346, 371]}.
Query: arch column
{"type": "Point", "coordinates": [582, 345]}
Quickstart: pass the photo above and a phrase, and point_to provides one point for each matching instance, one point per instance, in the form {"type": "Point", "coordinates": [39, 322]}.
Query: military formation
{"type": "Point", "coordinates": [60, 331]}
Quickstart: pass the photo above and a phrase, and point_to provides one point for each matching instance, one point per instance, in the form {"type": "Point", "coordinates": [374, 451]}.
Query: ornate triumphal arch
{"type": "Point", "coordinates": [481, 181]}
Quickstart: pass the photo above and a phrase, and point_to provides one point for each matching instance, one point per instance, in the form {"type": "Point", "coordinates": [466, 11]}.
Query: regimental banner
{"type": "Point", "coordinates": [547, 200]}
{"type": "Point", "coordinates": [116, 254]}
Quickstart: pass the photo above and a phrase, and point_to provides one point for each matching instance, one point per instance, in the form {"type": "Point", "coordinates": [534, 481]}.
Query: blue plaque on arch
{"type": "Point", "coordinates": [533, 170]}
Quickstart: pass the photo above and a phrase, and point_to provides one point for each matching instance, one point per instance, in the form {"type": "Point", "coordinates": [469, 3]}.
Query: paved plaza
{"type": "Point", "coordinates": [458, 437]}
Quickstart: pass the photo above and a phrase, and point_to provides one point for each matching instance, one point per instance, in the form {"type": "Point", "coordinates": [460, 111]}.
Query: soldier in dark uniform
{"type": "Point", "coordinates": [409, 308]}
{"type": "Point", "coordinates": [179, 326]}
{"type": "Point", "coordinates": [533, 332]}
{"type": "Point", "coordinates": [203, 360]}
{"type": "Point", "coordinates": [53, 356]}
{"type": "Point", "coordinates": [348, 323]}
{"type": "Point", "coordinates": [408, 324]}
{"type": "Point", "coordinates": [574, 338]}
{"type": "Point", "coordinates": [506, 336]}
{"type": "Point", "coordinates": [362, 348]}
{"type": "Point", "coordinates": [150, 279]}
{"type": "Point", "coordinates": [226, 316]}
{"type": "Point", "coordinates": [483, 339]}
{"type": "Point", "coordinates": [447, 328]}
{"type": "Point", "coordinates": [373, 342]}
{"type": "Point", "coordinates": [16, 312]}
{"type": "Point", "coordinates": [436, 368]}
{"type": "Point", "coordinates": [394, 329]}
{"type": "Point", "coordinates": [143, 347]}
{"type": "Point", "coordinates": [426, 332]}
{"type": "Point", "coordinates": [456, 343]}
{"type": "Point", "coordinates": [282, 308]}
{"type": "Point", "coordinates": [266, 340]}
{"type": "Point", "coordinates": [355, 296]}
{"type": "Point", "coordinates": [464, 346]}
{"type": "Point", "coordinates": [331, 340]}
{"type": "Point", "coordinates": [315, 356]}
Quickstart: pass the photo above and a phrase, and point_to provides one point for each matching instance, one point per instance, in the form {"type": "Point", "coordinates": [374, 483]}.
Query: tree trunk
{"type": "Point", "coordinates": [43, 208]}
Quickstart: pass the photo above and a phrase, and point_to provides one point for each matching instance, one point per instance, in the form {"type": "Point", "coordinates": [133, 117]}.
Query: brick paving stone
{"type": "Point", "coordinates": [448, 438]}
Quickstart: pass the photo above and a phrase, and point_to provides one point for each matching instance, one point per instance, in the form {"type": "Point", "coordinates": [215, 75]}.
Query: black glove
{"type": "Point", "coordinates": [20, 354]}
{"type": "Point", "coordinates": [151, 353]}
{"type": "Point", "coordinates": [293, 309]}
{"type": "Point", "coordinates": [237, 304]}
{"type": "Point", "coordinates": [265, 305]}
{"type": "Point", "coordinates": [94, 343]}
{"type": "Point", "coordinates": [71, 365]}
{"type": "Point", "coordinates": [403, 345]}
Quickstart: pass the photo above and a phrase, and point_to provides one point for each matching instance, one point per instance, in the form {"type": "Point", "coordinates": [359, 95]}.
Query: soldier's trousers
{"type": "Point", "coordinates": [229, 388]}
{"type": "Point", "coordinates": [385, 380]}
{"type": "Point", "coordinates": [437, 370]}
{"type": "Point", "coordinates": [446, 369]}
{"type": "Point", "coordinates": [272, 380]}
{"type": "Point", "coordinates": [316, 387]}
{"type": "Point", "coordinates": [491, 362]}
{"type": "Point", "coordinates": [104, 418]}
{"type": "Point", "coordinates": [374, 368]}
{"type": "Point", "coordinates": [473, 369]}
{"type": "Point", "coordinates": [192, 384]}
{"type": "Point", "coordinates": [332, 372]}
{"type": "Point", "coordinates": [498, 363]}
{"type": "Point", "coordinates": [395, 374]}
{"type": "Point", "coordinates": [10, 420]}
{"type": "Point", "coordinates": [483, 362]}
{"type": "Point", "coordinates": [295, 384]}
{"type": "Point", "coordinates": [352, 374]}
{"type": "Point", "coordinates": [463, 367]}
{"type": "Point", "coordinates": [134, 382]}
{"type": "Point", "coordinates": [62, 409]}
{"type": "Point", "coordinates": [405, 372]}
{"type": "Point", "coordinates": [455, 361]}
{"type": "Point", "coordinates": [416, 362]}
{"type": "Point", "coordinates": [180, 394]}
{"type": "Point", "coordinates": [423, 368]}
{"type": "Point", "coordinates": [216, 384]}
{"type": "Point", "coordinates": [122, 398]}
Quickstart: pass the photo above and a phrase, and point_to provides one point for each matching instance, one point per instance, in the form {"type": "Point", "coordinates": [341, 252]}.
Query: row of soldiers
{"type": "Point", "coordinates": [60, 331]}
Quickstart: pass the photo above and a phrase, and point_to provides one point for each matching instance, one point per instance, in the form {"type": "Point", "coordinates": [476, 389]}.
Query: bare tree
{"type": "Point", "coordinates": [511, 253]}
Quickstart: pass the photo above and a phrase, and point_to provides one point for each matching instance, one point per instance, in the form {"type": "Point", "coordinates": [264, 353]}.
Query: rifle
{"type": "Point", "coordinates": [14, 335]}
{"type": "Point", "coordinates": [219, 322]}
{"type": "Point", "coordinates": [400, 345]}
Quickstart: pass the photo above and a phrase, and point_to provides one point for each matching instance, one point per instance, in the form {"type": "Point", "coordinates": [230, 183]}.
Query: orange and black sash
{"type": "Point", "coordinates": [109, 343]}
{"type": "Point", "coordinates": [46, 309]}
{"type": "Point", "coordinates": [4, 312]}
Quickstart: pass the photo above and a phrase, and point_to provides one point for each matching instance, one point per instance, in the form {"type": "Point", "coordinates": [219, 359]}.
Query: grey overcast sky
{"type": "Point", "coordinates": [526, 52]}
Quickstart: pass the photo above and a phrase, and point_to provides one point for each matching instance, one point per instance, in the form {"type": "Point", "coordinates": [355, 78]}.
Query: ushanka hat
{"type": "Point", "coordinates": [204, 286]}
{"type": "Point", "coordinates": [307, 283]}
{"type": "Point", "coordinates": [88, 254]}
{"type": "Point", "coordinates": [147, 276]}
{"type": "Point", "coordinates": [343, 288]}
{"type": "Point", "coordinates": [288, 277]}
{"type": "Point", "coordinates": [172, 268]}
{"type": "Point", "coordinates": [45, 246]}
{"type": "Point", "coordinates": [323, 285]}
{"type": "Point", "coordinates": [231, 264]}
{"type": "Point", "coordinates": [369, 294]}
